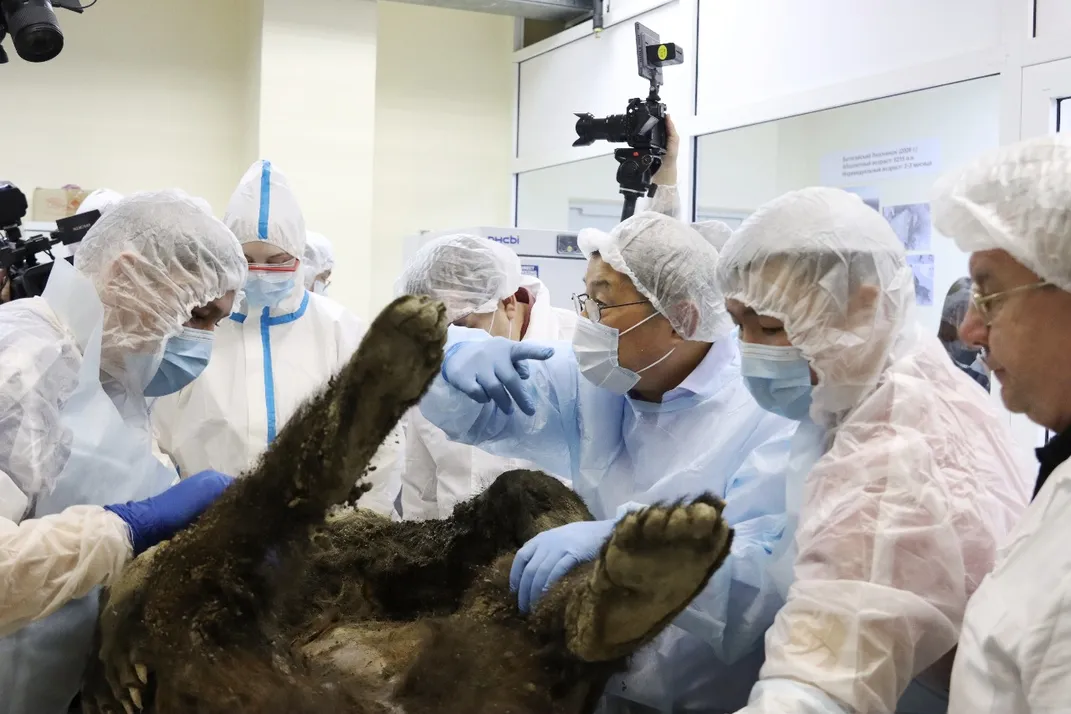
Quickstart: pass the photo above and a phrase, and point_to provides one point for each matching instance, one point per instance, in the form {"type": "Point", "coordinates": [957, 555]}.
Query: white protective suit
{"type": "Point", "coordinates": [319, 258]}
{"type": "Point", "coordinates": [707, 435]}
{"type": "Point", "coordinates": [900, 518]}
{"type": "Point", "coordinates": [1014, 654]}
{"type": "Point", "coordinates": [67, 439]}
{"type": "Point", "coordinates": [265, 364]}
{"type": "Point", "coordinates": [471, 274]}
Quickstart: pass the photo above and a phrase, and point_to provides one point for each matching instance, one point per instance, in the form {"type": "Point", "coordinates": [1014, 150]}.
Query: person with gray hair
{"type": "Point", "coordinates": [646, 405]}
{"type": "Point", "coordinates": [1011, 210]}
{"type": "Point", "coordinates": [133, 319]}
{"type": "Point", "coordinates": [481, 284]}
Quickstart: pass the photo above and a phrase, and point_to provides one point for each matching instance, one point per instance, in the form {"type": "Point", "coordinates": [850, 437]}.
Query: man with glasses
{"type": "Point", "coordinates": [1012, 209]}
{"type": "Point", "coordinates": [647, 405]}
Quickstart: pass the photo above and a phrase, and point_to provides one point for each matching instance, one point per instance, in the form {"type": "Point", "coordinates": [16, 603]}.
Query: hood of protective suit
{"type": "Point", "coordinates": [152, 259]}
{"type": "Point", "coordinates": [671, 265]}
{"type": "Point", "coordinates": [1016, 199]}
{"type": "Point", "coordinates": [319, 257]}
{"type": "Point", "coordinates": [716, 233]}
{"type": "Point", "coordinates": [469, 274]}
{"type": "Point", "coordinates": [100, 200]}
{"type": "Point", "coordinates": [264, 208]}
{"type": "Point", "coordinates": [832, 269]}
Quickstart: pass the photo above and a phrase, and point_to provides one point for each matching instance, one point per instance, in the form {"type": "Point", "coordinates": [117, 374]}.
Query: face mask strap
{"type": "Point", "coordinates": [657, 362]}
{"type": "Point", "coordinates": [650, 317]}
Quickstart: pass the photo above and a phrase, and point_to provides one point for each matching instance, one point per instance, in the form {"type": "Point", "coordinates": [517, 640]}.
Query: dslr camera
{"type": "Point", "coordinates": [33, 27]}
{"type": "Point", "coordinates": [642, 126]}
{"type": "Point", "coordinates": [23, 274]}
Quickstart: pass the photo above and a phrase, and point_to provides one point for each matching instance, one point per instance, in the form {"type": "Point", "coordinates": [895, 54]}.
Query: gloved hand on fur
{"type": "Point", "coordinates": [160, 517]}
{"type": "Point", "coordinates": [550, 556]}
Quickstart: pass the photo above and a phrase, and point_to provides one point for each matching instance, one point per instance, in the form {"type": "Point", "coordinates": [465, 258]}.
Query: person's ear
{"type": "Point", "coordinates": [510, 306]}
{"type": "Point", "coordinates": [686, 315]}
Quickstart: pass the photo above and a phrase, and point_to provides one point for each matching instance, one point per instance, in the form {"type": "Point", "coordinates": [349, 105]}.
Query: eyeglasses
{"type": "Point", "coordinates": [594, 308]}
{"type": "Point", "coordinates": [983, 303]}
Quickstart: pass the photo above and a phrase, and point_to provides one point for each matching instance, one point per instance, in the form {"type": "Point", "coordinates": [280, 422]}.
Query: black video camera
{"type": "Point", "coordinates": [642, 126]}
{"type": "Point", "coordinates": [18, 256]}
{"type": "Point", "coordinates": [33, 27]}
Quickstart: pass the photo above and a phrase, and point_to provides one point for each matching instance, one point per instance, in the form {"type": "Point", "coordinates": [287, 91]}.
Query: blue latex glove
{"type": "Point", "coordinates": [551, 555]}
{"type": "Point", "coordinates": [493, 370]}
{"type": "Point", "coordinates": [162, 516]}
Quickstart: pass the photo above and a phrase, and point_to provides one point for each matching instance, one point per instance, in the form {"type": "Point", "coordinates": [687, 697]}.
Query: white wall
{"type": "Point", "coordinates": [145, 95]}
{"type": "Point", "coordinates": [751, 52]}
{"type": "Point", "coordinates": [317, 92]}
{"type": "Point", "coordinates": [593, 74]}
{"type": "Point", "coordinates": [444, 127]}
{"type": "Point", "coordinates": [544, 195]}
{"type": "Point", "coordinates": [1053, 18]}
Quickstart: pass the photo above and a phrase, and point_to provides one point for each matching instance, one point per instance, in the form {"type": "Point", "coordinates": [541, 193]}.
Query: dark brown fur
{"type": "Point", "coordinates": [267, 605]}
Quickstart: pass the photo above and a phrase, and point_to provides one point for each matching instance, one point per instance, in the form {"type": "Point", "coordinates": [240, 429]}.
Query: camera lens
{"type": "Point", "coordinates": [590, 129]}
{"type": "Point", "coordinates": [33, 28]}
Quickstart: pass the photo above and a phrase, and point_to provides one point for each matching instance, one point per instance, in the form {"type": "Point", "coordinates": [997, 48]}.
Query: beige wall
{"type": "Point", "coordinates": [145, 95]}
{"type": "Point", "coordinates": [388, 118]}
{"type": "Point", "coordinates": [444, 122]}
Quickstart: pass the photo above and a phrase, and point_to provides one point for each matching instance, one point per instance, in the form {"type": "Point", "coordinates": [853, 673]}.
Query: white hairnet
{"type": "Point", "coordinates": [1016, 199]}
{"type": "Point", "coordinates": [319, 257]}
{"type": "Point", "coordinates": [714, 232]}
{"type": "Point", "coordinates": [469, 274]}
{"type": "Point", "coordinates": [667, 201]}
{"type": "Point", "coordinates": [901, 517]}
{"type": "Point", "coordinates": [264, 208]}
{"type": "Point", "coordinates": [153, 258]}
{"type": "Point", "coordinates": [100, 200]}
{"type": "Point", "coordinates": [807, 258]}
{"type": "Point", "coordinates": [671, 265]}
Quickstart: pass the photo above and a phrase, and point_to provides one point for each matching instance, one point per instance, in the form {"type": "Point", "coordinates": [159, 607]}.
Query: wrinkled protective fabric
{"type": "Point", "coordinates": [707, 435]}
{"type": "Point", "coordinates": [153, 258]}
{"type": "Point", "coordinates": [47, 562]}
{"type": "Point", "coordinates": [103, 199]}
{"type": "Point", "coordinates": [1014, 655]}
{"type": "Point", "coordinates": [900, 518]}
{"type": "Point", "coordinates": [667, 201]}
{"type": "Point", "coordinates": [319, 257]}
{"type": "Point", "coordinates": [671, 265]}
{"type": "Point", "coordinates": [440, 473]}
{"type": "Point", "coordinates": [106, 457]}
{"type": "Point", "coordinates": [266, 362]}
{"type": "Point", "coordinates": [1017, 199]}
{"type": "Point", "coordinates": [467, 273]}
{"type": "Point", "coordinates": [264, 208]}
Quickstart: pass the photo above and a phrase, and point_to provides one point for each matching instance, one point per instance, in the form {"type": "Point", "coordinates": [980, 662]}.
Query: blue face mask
{"type": "Point", "coordinates": [267, 292]}
{"type": "Point", "coordinates": [779, 378]}
{"type": "Point", "coordinates": [185, 357]}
